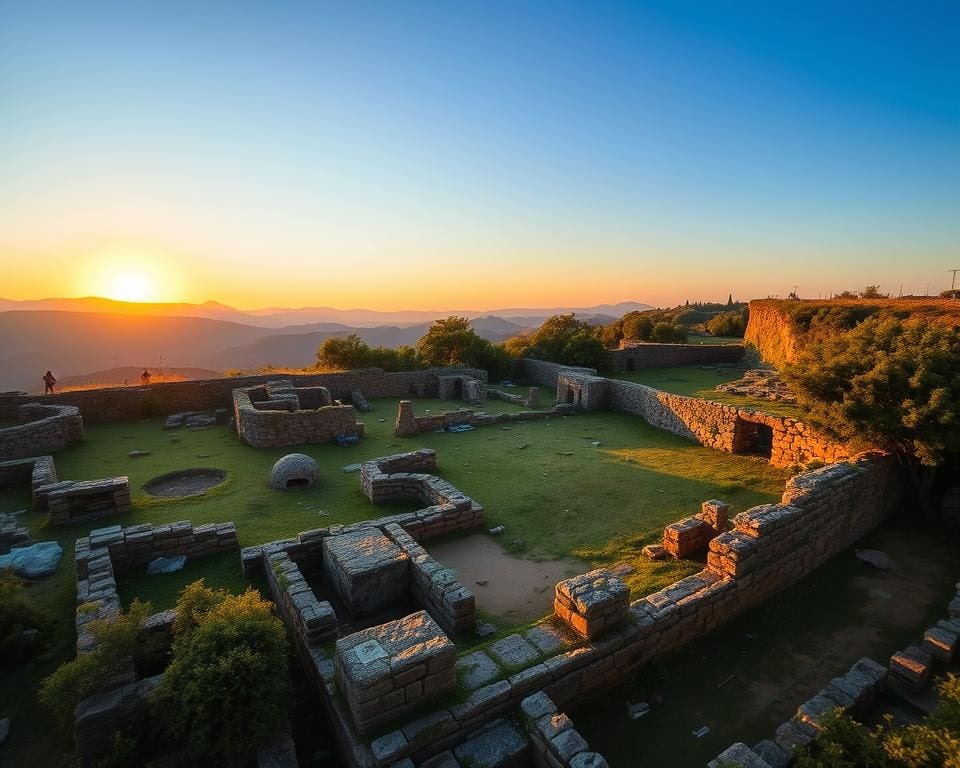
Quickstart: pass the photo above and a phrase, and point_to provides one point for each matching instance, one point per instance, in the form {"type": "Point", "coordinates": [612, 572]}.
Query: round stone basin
{"type": "Point", "coordinates": [184, 482]}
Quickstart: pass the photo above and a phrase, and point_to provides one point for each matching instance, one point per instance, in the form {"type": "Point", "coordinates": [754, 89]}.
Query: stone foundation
{"type": "Point", "coordinates": [44, 428]}
{"type": "Point", "coordinates": [272, 416]}
{"type": "Point", "coordinates": [693, 534]}
{"type": "Point", "coordinates": [388, 670]}
{"type": "Point", "coordinates": [409, 424]}
{"type": "Point", "coordinates": [79, 501]}
{"type": "Point", "coordinates": [592, 603]}
{"type": "Point", "coordinates": [634, 355]}
{"type": "Point", "coordinates": [368, 571]}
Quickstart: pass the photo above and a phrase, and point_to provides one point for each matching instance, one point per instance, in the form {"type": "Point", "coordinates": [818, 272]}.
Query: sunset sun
{"type": "Point", "coordinates": [133, 273]}
{"type": "Point", "coordinates": [129, 286]}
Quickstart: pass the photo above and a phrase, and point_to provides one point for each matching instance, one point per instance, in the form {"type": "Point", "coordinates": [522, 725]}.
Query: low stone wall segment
{"type": "Point", "coordinates": [449, 602]}
{"type": "Point", "coordinates": [285, 425]}
{"type": "Point", "coordinates": [727, 428]}
{"type": "Point", "coordinates": [44, 428]}
{"type": "Point", "coordinates": [634, 355]}
{"type": "Point", "coordinates": [161, 399]}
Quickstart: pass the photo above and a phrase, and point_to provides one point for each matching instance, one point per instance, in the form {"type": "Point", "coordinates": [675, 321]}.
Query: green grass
{"type": "Point", "coordinates": [557, 494]}
{"type": "Point", "coordinates": [694, 381]}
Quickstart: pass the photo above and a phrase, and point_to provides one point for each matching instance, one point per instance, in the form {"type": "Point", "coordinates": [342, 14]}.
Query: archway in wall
{"type": "Point", "coordinates": [754, 438]}
{"type": "Point", "coordinates": [630, 366]}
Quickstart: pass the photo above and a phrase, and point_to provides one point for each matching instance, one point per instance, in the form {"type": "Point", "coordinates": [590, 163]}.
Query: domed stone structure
{"type": "Point", "coordinates": [295, 470]}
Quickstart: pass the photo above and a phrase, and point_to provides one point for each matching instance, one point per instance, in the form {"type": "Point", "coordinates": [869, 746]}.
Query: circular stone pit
{"type": "Point", "coordinates": [295, 470]}
{"type": "Point", "coordinates": [184, 482]}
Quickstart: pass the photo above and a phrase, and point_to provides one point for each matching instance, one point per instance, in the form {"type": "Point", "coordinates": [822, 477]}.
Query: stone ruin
{"type": "Point", "coordinates": [278, 414]}
{"type": "Point", "coordinates": [72, 501]}
{"type": "Point", "coordinates": [42, 429]}
{"type": "Point", "coordinates": [295, 470]}
{"type": "Point", "coordinates": [471, 390]}
{"type": "Point", "coordinates": [760, 383]}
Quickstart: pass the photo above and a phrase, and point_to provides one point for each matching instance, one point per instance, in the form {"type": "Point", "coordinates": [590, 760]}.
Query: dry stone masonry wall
{"type": "Point", "coordinates": [408, 423]}
{"type": "Point", "coordinates": [72, 501]}
{"type": "Point", "coordinates": [161, 399]}
{"type": "Point", "coordinates": [634, 355]}
{"type": "Point", "coordinates": [44, 428]}
{"type": "Point", "coordinates": [285, 424]}
{"type": "Point", "coordinates": [724, 427]}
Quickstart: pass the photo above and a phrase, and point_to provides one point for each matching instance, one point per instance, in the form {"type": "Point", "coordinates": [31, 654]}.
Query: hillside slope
{"type": "Point", "coordinates": [781, 329]}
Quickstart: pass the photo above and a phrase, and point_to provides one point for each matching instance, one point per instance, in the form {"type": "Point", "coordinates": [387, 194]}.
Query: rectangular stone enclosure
{"type": "Point", "coordinates": [388, 670]}
{"type": "Point", "coordinates": [367, 570]}
{"type": "Point", "coordinates": [70, 501]}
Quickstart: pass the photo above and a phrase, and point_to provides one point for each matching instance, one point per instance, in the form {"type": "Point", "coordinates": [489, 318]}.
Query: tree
{"type": "Point", "coordinates": [449, 342]}
{"type": "Point", "coordinates": [226, 689]}
{"type": "Point", "coordinates": [891, 384]}
{"type": "Point", "coordinates": [872, 292]}
{"type": "Point", "coordinates": [728, 323]}
{"type": "Point", "coordinates": [638, 326]}
{"type": "Point", "coordinates": [587, 351]}
{"type": "Point", "coordinates": [668, 333]}
{"type": "Point", "coordinates": [343, 354]}
{"type": "Point", "coordinates": [730, 300]}
{"type": "Point", "coordinates": [552, 337]}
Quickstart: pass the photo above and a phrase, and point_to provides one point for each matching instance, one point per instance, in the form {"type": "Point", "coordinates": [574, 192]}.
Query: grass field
{"type": "Point", "coordinates": [694, 381]}
{"type": "Point", "coordinates": [556, 492]}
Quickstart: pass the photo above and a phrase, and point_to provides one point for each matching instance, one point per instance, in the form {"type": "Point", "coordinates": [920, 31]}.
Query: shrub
{"type": "Point", "coordinates": [16, 615]}
{"type": "Point", "coordinates": [117, 642]}
{"type": "Point", "coordinates": [933, 742]}
{"type": "Point", "coordinates": [226, 689]}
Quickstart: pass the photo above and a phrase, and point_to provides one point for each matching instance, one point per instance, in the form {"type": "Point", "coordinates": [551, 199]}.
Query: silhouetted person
{"type": "Point", "coordinates": [145, 377]}
{"type": "Point", "coordinates": [48, 382]}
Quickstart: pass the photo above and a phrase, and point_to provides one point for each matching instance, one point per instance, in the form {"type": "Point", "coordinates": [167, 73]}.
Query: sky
{"type": "Point", "coordinates": [403, 155]}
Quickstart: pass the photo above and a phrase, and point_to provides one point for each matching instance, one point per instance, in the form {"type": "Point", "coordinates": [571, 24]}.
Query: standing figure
{"type": "Point", "coordinates": [48, 382]}
{"type": "Point", "coordinates": [145, 377]}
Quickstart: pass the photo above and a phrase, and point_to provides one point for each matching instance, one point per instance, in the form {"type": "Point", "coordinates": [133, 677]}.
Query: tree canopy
{"type": "Point", "coordinates": [888, 383]}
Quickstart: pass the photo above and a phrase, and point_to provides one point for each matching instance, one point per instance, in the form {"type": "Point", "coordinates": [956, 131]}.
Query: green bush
{"type": "Point", "coordinates": [226, 690]}
{"type": "Point", "coordinates": [16, 615]}
{"type": "Point", "coordinates": [932, 743]}
{"type": "Point", "coordinates": [117, 642]}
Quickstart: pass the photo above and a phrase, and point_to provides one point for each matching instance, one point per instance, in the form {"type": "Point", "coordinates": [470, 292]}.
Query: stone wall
{"type": "Point", "coordinates": [723, 427]}
{"type": "Point", "coordinates": [408, 423]}
{"type": "Point", "coordinates": [312, 621]}
{"type": "Point", "coordinates": [34, 471]}
{"type": "Point", "coordinates": [554, 742]}
{"type": "Point", "coordinates": [129, 403]}
{"type": "Point", "coordinates": [546, 373]}
{"type": "Point", "coordinates": [44, 428]}
{"type": "Point", "coordinates": [271, 428]}
{"type": "Point", "coordinates": [770, 548]}
{"type": "Point", "coordinates": [100, 558]}
{"type": "Point", "coordinates": [451, 604]}
{"type": "Point", "coordinates": [634, 355]}
{"type": "Point", "coordinates": [71, 501]}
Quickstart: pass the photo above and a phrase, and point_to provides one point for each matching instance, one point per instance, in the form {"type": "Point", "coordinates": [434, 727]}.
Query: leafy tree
{"type": "Point", "coordinates": [17, 613]}
{"type": "Point", "coordinates": [226, 689]}
{"type": "Point", "coordinates": [872, 292]}
{"type": "Point", "coordinates": [638, 326]}
{"type": "Point", "coordinates": [888, 383]}
{"type": "Point", "coordinates": [666, 333]}
{"type": "Point", "coordinates": [343, 354]}
{"type": "Point", "coordinates": [556, 333]}
{"type": "Point", "coordinates": [454, 342]}
{"type": "Point", "coordinates": [587, 351]}
{"type": "Point", "coordinates": [729, 323]}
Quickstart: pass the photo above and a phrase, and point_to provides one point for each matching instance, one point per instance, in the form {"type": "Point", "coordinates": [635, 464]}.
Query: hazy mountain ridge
{"type": "Point", "coordinates": [72, 343]}
{"type": "Point", "coordinates": [278, 317]}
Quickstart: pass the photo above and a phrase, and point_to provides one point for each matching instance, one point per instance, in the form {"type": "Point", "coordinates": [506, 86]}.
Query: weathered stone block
{"type": "Point", "coordinates": [368, 571]}
{"type": "Point", "coordinates": [592, 602]}
{"type": "Point", "coordinates": [375, 668]}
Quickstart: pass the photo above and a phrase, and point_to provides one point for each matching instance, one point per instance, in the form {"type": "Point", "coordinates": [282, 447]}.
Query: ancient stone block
{"type": "Point", "coordinates": [367, 570]}
{"type": "Point", "coordinates": [592, 602]}
{"type": "Point", "coordinates": [498, 745]}
{"type": "Point", "coordinates": [375, 668]}
{"type": "Point", "coordinates": [911, 668]}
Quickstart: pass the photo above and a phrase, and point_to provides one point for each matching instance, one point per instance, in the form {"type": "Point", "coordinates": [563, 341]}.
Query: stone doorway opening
{"type": "Point", "coordinates": [753, 438]}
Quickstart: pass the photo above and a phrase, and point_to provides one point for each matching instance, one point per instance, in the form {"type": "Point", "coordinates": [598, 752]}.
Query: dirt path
{"type": "Point", "coordinates": [505, 586]}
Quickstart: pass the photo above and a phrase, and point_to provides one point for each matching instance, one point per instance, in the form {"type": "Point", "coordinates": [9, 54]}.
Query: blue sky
{"type": "Point", "coordinates": [566, 153]}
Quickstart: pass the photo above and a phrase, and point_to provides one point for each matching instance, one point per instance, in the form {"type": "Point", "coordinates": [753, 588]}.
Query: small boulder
{"type": "Point", "coordinates": [35, 561]}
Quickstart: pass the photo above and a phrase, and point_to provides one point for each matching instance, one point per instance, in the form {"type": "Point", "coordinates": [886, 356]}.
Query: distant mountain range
{"type": "Point", "coordinates": [277, 317]}
{"type": "Point", "coordinates": [74, 337]}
